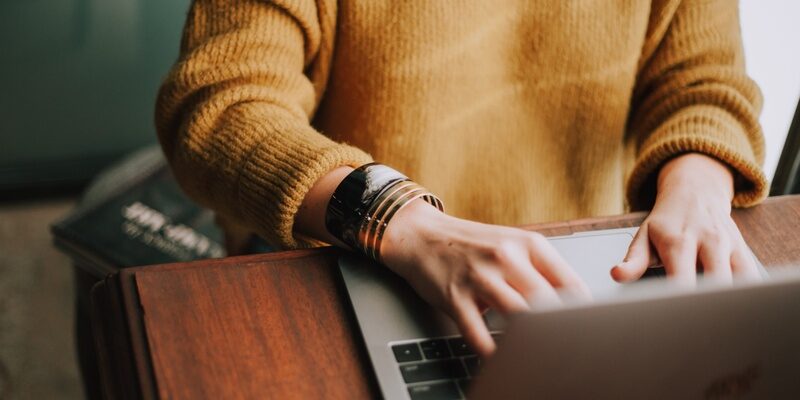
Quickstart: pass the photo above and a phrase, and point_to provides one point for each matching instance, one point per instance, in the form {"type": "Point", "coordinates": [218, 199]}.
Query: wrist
{"type": "Point", "coordinates": [366, 201]}
{"type": "Point", "coordinates": [310, 217]}
{"type": "Point", "coordinates": [411, 224]}
{"type": "Point", "coordinates": [697, 173]}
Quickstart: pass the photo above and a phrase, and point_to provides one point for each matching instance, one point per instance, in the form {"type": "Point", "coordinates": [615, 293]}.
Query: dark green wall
{"type": "Point", "coordinates": [78, 80]}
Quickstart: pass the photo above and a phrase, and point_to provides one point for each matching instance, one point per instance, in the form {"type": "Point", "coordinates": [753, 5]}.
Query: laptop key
{"type": "Point", "coordinates": [431, 371]}
{"type": "Point", "coordinates": [406, 352]}
{"type": "Point", "coordinates": [460, 347]}
{"type": "Point", "coordinates": [463, 384]}
{"type": "Point", "coordinates": [434, 391]}
{"type": "Point", "coordinates": [435, 349]}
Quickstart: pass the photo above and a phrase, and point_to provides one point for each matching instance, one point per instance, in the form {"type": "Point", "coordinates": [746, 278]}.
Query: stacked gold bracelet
{"type": "Point", "coordinates": [365, 202]}
{"type": "Point", "coordinates": [385, 206]}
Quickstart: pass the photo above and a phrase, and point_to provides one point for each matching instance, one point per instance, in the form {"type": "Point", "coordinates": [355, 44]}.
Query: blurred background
{"type": "Point", "coordinates": [78, 80]}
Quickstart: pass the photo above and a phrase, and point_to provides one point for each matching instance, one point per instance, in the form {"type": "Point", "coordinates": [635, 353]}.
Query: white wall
{"type": "Point", "coordinates": [771, 35]}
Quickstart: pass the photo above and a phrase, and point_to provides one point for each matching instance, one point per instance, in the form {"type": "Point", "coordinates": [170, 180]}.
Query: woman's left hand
{"type": "Point", "coordinates": [690, 228]}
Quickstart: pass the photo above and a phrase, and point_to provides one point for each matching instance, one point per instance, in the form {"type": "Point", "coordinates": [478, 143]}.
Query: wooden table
{"type": "Point", "coordinates": [279, 325]}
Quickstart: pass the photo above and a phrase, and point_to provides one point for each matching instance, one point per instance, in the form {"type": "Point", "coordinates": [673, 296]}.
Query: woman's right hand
{"type": "Point", "coordinates": [463, 267]}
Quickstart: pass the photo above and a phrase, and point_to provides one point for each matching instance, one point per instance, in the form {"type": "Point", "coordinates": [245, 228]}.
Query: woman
{"type": "Point", "coordinates": [510, 113]}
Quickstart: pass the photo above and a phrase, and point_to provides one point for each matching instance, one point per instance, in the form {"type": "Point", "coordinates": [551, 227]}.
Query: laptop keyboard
{"type": "Point", "coordinates": [439, 368]}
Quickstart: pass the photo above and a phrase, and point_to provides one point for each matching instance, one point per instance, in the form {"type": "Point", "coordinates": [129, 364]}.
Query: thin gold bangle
{"type": "Point", "coordinates": [369, 217]}
{"type": "Point", "coordinates": [382, 218]}
{"type": "Point", "coordinates": [376, 215]}
{"type": "Point", "coordinates": [386, 205]}
{"type": "Point", "coordinates": [385, 223]}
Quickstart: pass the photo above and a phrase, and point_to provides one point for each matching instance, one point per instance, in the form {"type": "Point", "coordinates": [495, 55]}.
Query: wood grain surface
{"type": "Point", "coordinates": [279, 325]}
{"type": "Point", "coordinates": [252, 328]}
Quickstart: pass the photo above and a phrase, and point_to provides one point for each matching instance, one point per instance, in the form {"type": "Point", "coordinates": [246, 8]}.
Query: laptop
{"type": "Point", "coordinates": [634, 340]}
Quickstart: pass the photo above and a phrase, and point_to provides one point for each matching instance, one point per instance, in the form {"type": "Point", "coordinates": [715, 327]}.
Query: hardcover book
{"type": "Point", "coordinates": [137, 215]}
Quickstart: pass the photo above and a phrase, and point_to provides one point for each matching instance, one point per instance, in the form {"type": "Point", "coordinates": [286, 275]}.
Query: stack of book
{"type": "Point", "coordinates": [136, 214]}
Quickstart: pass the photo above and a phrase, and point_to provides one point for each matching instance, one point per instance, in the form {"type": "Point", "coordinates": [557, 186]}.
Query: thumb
{"type": "Point", "coordinates": [636, 261]}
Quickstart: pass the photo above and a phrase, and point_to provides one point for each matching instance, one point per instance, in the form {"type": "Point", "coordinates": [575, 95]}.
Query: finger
{"type": "Point", "coordinates": [743, 265]}
{"type": "Point", "coordinates": [679, 255]}
{"type": "Point", "coordinates": [716, 260]}
{"type": "Point", "coordinates": [524, 277]}
{"type": "Point", "coordinates": [540, 291]}
{"type": "Point", "coordinates": [496, 292]}
{"type": "Point", "coordinates": [554, 269]}
{"type": "Point", "coordinates": [637, 260]}
{"type": "Point", "coordinates": [743, 262]}
{"type": "Point", "coordinates": [519, 272]}
{"type": "Point", "coordinates": [471, 325]}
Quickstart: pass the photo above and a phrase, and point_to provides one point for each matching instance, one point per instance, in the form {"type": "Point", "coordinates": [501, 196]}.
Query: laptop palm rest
{"type": "Point", "coordinates": [388, 309]}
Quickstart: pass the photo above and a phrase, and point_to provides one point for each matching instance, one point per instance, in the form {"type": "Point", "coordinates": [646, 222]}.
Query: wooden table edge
{"type": "Point", "coordinates": [126, 281]}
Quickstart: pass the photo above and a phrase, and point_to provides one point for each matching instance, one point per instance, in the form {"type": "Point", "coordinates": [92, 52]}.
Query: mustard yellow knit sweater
{"type": "Point", "coordinates": [511, 111]}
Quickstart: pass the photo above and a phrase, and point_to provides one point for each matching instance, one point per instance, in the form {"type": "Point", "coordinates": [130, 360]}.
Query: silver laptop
{"type": "Point", "coordinates": [633, 341]}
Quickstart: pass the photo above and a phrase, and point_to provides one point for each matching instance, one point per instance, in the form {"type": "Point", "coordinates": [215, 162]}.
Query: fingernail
{"type": "Point", "coordinates": [616, 274]}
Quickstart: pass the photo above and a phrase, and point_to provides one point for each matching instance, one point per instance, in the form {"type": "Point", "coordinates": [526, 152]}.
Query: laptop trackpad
{"type": "Point", "coordinates": [593, 254]}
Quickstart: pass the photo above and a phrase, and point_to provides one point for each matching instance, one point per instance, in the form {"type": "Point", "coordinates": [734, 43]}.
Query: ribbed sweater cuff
{"type": "Point", "coordinates": [702, 129]}
{"type": "Point", "coordinates": [274, 182]}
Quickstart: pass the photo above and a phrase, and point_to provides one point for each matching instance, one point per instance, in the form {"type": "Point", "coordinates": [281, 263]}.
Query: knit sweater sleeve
{"type": "Point", "coordinates": [692, 95]}
{"type": "Point", "coordinates": [233, 114]}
